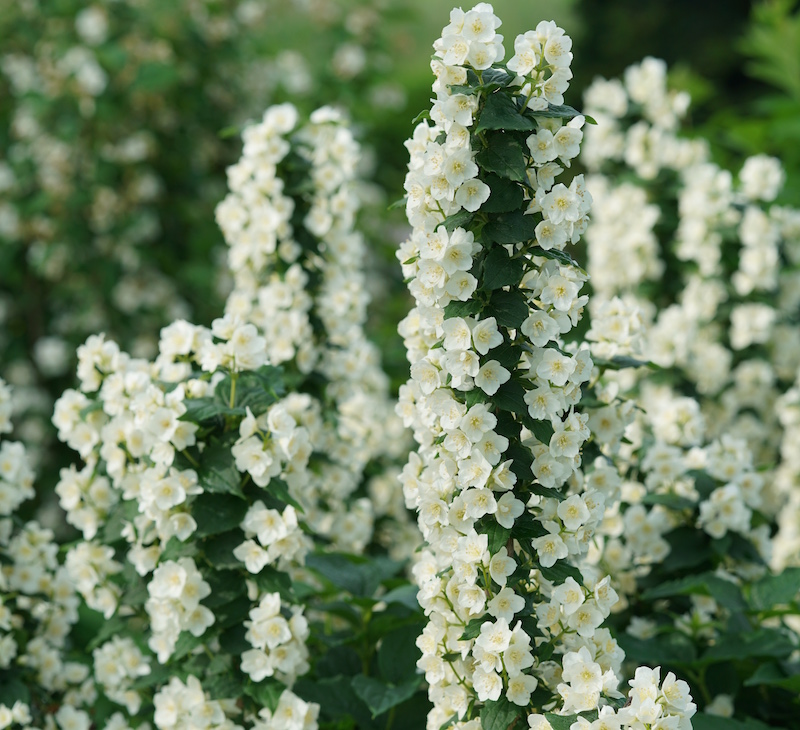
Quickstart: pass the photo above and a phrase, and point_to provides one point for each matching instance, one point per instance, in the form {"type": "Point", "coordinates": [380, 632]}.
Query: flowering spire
{"type": "Point", "coordinates": [514, 626]}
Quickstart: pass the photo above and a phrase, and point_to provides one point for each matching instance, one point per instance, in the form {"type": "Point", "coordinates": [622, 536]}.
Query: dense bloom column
{"type": "Point", "coordinates": [514, 627]}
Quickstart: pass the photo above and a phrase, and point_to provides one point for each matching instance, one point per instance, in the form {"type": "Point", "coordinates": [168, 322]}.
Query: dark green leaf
{"type": "Point", "coordinates": [266, 693]}
{"type": "Point", "coordinates": [233, 613]}
{"type": "Point", "coordinates": [708, 584]}
{"type": "Point", "coordinates": [218, 473]}
{"type": "Point", "coordinates": [12, 689]}
{"type": "Point", "coordinates": [556, 255]}
{"type": "Point", "coordinates": [701, 721]}
{"type": "Point", "coordinates": [510, 396]}
{"type": "Point", "coordinates": [771, 674]}
{"type": "Point", "coordinates": [760, 643]}
{"type": "Point", "coordinates": [278, 489]}
{"type": "Point", "coordinates": [458, 220]}
{"type": "Point", "coordinates": [233, 640]}
{"type": "Point", "coordinates": [355, 574]}
{"type": "Point", "coordinates": [505, 196]}
{"type": "Point", "coordinates": [775, 590]}
{"type": "Point", "coordinates": [226, 585]}
{"type": "Point", "coordinates": [398, 654]}
{"type": "Point", "coordinates": [514, 227]}
{"type": "Point", "coordinates": [509, 308]}
{"type": "Point", "coordinates": [688, 547]}
{"type": "Point", "coordinates": [186, 644]}
{"type": "Point", "coordinates": [622, 362]}
{"type": "Point", "coordinates": [156, 77]}
{"type": "Point", "coordinates": [527, 528]}
{"type": "Point", "coordinates": [521, 461]}
{"type": "Point", "coordinates": [199, 410]}
{"type": "Point", "coordinates": [558, 111]}
{"type": "Point", "coordinates": [559, 572]}
{"type": "Point", "coordinates": [500, 270]}
{"type": "Point", "coordinates": [215, 513]}
{"type": "Point", "coordinates": [502, 112]}
{"type": "Point", "coordinates": [223, 686]}
{"type": "Point", "coordinates": [507, 355]}
{"type": "Point", "coordinates": [504, 156]}
{"type": "Point", "coordinates": [219, 549]}
{"type": "Point", "coordinates": [175, 549]}
{"type": "Point", "coordinates": [380, 696]}
{"type": "Point", "coordinates": [473, 629]}
{"type": "Point", "coordinates": [671, 648]}
{"type": "Point", "coordinates": [462, 309]}
{"type": "Point", "coordinates": [673, 501]}
{"type": "Point", "coordinates": [272, 580]}
{"type": "Point", "coordinates": [121, 513]}
{"type": "Point", "coordinates": [405, 595]}
{"type": "Point", "coordinates": [499, 714]}
{"type": "Point", "coordinates": [498, 535]}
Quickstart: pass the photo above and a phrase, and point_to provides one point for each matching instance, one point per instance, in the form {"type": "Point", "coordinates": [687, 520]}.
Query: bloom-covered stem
{"type": "Point", "coordinates": [494, 390]}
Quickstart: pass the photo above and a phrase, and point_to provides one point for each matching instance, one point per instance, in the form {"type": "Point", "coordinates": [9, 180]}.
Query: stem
{"type": "Point", "coordinates": [190, 459]}
{"type": "Point", "coordinates": [390, 719]}
{"type": "Point", "coordinates": [234, 377]}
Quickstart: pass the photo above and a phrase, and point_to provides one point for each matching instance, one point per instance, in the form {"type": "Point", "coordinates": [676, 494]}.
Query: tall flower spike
{"type": "Point", "coordinates": [514, 626]}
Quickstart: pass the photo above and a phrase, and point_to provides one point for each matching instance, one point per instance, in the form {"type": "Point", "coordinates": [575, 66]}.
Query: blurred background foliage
{"type": "Point", "coordinates": [119, 117]}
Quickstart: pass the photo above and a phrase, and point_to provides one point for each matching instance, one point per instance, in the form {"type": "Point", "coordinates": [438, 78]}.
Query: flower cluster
{"type": "Point", "coordinates": [38, 602]}
{"type": "Point", "coordinates": [513, 626]}
{"type": "Point", "coordinates": [297, 264]}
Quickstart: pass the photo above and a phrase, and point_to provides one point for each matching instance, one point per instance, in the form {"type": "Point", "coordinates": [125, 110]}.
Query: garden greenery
{"type": "Point", "coordinates": [601, 461]}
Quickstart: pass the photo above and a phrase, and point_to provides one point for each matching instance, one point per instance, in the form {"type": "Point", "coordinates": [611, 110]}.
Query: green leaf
{"type": "Point", "coordinates": [507, 354]}
{"type": "Point", "coordinates": [510, 396]}
{"type": "Point", "coordinates": [199, 410]}
{"type": "Point", "coordinates": [502, 112]}
{"type": "Point", "coordinates": [156, 77]}
{"type": "Point", "coordinates": [505, 196]}
{"type": "Point", "coordinates": [671, 648]}
{"type": "Point", "coordinates": [186, 644]}
{"type": "Point", "coordinates": [701, 721]}
{"type": "Point", "coordinates": [473, 629]}
{"type": "Point", "coordinates": [559, 111]}
{"type": "Point", "coordinates": [12, 689]}
{"type": "Point", "coordinates": [218, 473]}
{"type": "Point", "coordinates": [514, 227]}
{"type": "Point", "coordinates": [775, 590]}
{"type": "Point", "coordinates": [111, 627]}
{"type": "Point", "coordinates": [398, 654]}
{"type": "Point", "coordinates": [219, 549]}
{"type": "Point", "coordinates": [673, 501]}
{"type": "Point", "coordinates": [499, 714]}
{"type": "Point", "coordinates": [688, 548]}
{"type": "Point", "coordinates": [121, 513]}
{"type": "Point", "coordinates": [500, 270]}
{"type": "Point", "coordinates": [542, 430]}
{"type": "Point", "coordinates": [355, 574]}
{"type": "Point", "coordinates": [233, 613]}
{"type": "Point", "coordinates": [272, 580]}
{"type": "Point", "coordinates": [771, 674]}
{"type": "Point", "coordinates": [462, 309]}
{"type": "Point", "coordinates": [707, 584]}
{"type": "Point", "coordinates": [509, 308]}
{"type": "Point", "coordinates": [223, 686]}
{"type": "Point", "coordinates": [266, 693]}
{"type": "Point", "coordinates": [504, 156]}
{"type": "Point", "coordinates": [559, 572]}
{"type": "Point", "coordinates": [498, 535]}
{"type": "Point", "coordinates": [405, 595]}
{"type": "Point", "coordinates": [278, 489]}
{"type": "Point", "coordinates": [623, 362]}
{"type": "Point", "coordinates": [380, 696]}
{"type": "Point", "coordinates": [421, 117]}
{"type": "Point", "coordinates": [216, 513]}
{"type": "Point", "coordinates": [458, 220]}
{"type": "Point", "coordinates": [175, 549]}
{"type": "Point", "coordinates": [527, 528]}
{"type": "Point", "coordinates": [759, 643]}
{"type": "Point", "coordinates": [556, 255]}
{"type": "Point", "coordinates": [226, 585]}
